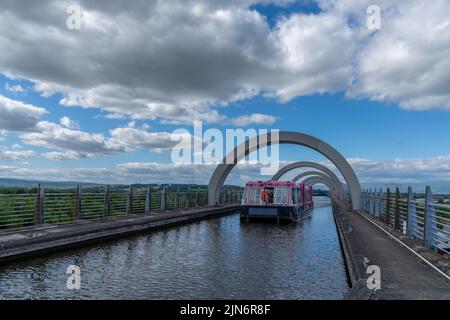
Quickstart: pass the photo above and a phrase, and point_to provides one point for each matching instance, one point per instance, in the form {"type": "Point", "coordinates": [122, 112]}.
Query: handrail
{"type": "Point", "coordinates": [24, 210]}
{"type": "Point", "coordinates": [422, 219]}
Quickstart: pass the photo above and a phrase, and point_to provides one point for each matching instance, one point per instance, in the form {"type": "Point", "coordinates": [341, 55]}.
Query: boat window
{"type": "Point", "coordinates": [280, 195]}
{"type": "Point", "coordinates": [254, 195]}
{"type": "Point", "coordinates": [294, 195]}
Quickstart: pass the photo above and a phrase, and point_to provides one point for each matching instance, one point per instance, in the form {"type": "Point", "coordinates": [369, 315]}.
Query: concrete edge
{"type": "Point", "coordinates": [347, 251]}
{"type": "Point", "coordinates": [122, 231]}
{"type": "Point", "coordinates": [358, 290]}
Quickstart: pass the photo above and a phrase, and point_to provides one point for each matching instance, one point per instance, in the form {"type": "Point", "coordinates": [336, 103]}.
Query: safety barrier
{"type": "Point", "coordinates": [40, 207]}
{"type": "Point", "coordinates": [418, 216]}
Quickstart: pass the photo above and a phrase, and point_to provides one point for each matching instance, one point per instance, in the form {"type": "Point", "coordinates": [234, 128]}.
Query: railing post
{"type": "Point", "coordinates": [365, 200]}
{"type": "Point", "coordinates": [175, 200]}
{"type": "Point", "coordinates": [39, 210]}
{"type": "Point", "coordinates": [372, 202]}
{"type": "Point", "coordinates": [130, 201]}
{"type": "Point", "coordinates": [197, 200]}
{"type": "Point", "coordinates": [388, 207]}
{"type": "Point", "coordinates": [411, 220]}
{"type": "Point", "coordinates": [429, 221]}
{"type": "Point", "coordinates": [376, 201]}
{"type": "Point", "coordinates": [78, 196]}
{"type": "Point", "coordinates": [380, 204]}
{"type": "Point", "coordinates": [397, 209]}
{"type": "Point", "coordinates": [186, 196]}
{"type": "Point", "coordinates": [163, 199]}
{"type": "Point", "coordinates": [148, 201]}
{"type": "Point", "coordinates": [107, 202]}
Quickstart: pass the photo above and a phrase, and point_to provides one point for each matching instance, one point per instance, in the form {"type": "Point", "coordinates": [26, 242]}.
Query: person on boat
{"type": "Point", "coordinates": [265, 196]}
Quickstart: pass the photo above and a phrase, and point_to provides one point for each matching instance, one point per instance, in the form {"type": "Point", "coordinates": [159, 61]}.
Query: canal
{"type": "Point", "coordinates": [221, 258]}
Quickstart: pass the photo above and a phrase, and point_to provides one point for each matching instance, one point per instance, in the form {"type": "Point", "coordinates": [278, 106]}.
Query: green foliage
{"type": "Point", "coordinates": [18, 206]}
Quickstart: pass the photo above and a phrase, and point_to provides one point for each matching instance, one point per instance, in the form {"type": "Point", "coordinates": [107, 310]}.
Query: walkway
{"type": "Point", "coordinates": [403, 274]}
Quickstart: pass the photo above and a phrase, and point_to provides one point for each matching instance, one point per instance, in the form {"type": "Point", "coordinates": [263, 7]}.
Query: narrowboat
{"type": "Point", "coordinates": [280, 200]}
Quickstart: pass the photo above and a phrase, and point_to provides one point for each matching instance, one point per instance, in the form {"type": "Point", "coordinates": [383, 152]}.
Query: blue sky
{"type": "Point", "coordinates": [376, 96]}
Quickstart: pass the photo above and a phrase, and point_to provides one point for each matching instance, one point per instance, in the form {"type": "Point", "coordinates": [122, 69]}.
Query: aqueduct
{"type": "Point", "coordinates": [315, 165]}
{"type": "Point", "coordinates": [283, 137]}
{"type": "Point", "coordinates": [334, 188]}
{"type": "Point", "coordinates": [317, 179]}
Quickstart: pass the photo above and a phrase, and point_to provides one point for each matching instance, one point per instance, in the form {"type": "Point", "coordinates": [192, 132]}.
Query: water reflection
{"type": "Point", "coordinates": [214, 259]}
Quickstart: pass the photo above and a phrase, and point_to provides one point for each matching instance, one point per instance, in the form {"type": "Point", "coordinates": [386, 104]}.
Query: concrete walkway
{"type": "Point", "coordinates": [41, 239]}
{"type": "Point", "coordinates": [403, 274]}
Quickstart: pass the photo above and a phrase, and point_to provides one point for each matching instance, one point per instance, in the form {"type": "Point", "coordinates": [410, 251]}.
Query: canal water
{"type": "Point", "coordinates": [222, 258]}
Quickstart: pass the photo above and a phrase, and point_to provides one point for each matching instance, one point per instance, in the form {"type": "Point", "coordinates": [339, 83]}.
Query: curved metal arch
{"type": "Point", "coordinates": [316, 179]}
{"type": "Point", "coordinates": [315, 165]}
{"type": "Point", "coordinates": [283, 137]}
{"type": "Point", "coordinates": [335, 189]}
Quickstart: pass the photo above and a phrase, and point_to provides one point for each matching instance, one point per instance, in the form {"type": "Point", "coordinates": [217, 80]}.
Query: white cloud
{"type": "Point", "coordinates": [69, 142]}
{"type": "Point", "coordinates": [53, 136]}
{"type": "Point", "coordinates": [14, 88]}
{"type": "Point", "coordinates": [68, 123]}
{"type": "Point", "coordinates": [15, 153]}
{"type": "Point", "coordinates": [131, 138]}
{"type": "Point", "coordinates": [44, 89]}
{"type": "Point", "coordinates": [219, 52]}
{"type": "Point", "coordinates": [399, 171]}
{"type": "Point", "coordinates": [18, 116]}
{"type": "Point", "coordinates": [402, 170]}
{"type": "Point", "coordinates": [408, 60]}
{"type": "Point", "coordinates": [255, 118]}
{"type": "Point", "coordinates": [58, 155]}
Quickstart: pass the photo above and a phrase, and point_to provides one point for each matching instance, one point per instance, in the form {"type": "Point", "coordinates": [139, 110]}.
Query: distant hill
{"type": "Point", "coordinates": [26, 184]}
{"type": "Point", "coordinates": [22, 183]}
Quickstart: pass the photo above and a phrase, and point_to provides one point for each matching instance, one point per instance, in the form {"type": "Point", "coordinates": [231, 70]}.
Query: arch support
{"type": "Point", "coordinates": [316, 179]}
{"type": "Point", "coordinates": [283, 137]}
{"type": "Point", "coordinates": [315, 165]}
{"type": "Point", "coordinates": [336, 188]}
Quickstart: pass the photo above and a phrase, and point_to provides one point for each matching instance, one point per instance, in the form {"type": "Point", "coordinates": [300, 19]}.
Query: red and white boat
{"type": "Point", "coordinates": [281, 200]}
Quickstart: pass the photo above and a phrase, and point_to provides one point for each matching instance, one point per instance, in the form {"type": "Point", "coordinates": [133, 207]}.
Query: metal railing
{"type": "Point", "coordinates": [40, 207]}
{"type": "Point", "coordinates": [419, 217]}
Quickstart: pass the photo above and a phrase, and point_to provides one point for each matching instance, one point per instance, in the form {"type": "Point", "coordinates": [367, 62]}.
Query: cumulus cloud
{"type": "Point", "coordinates": [18, 116]}
{"type": "Point", "coordinates": [375, 172]}
{"type": "Point", "coordinates": [178, 60]}
{"type": "Point", "coordinates": [255, 118]}
{"type": "Point", "coordinates": [402, 170]}
{"type": "Point", "coordinates": [15, 153]}
{"type": "Point", "coordinates": [53, 136]}
{"type": "Point", "coordinates": [69, 142]}
{"type": "Point", "coordinates": [69, 123]}
{"type": "Point", "coordinates": [14, 88]}
{"type": "Point", "coordinates": [131, 138]}
{"type": "Point", "coordinates": [58, 155]}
